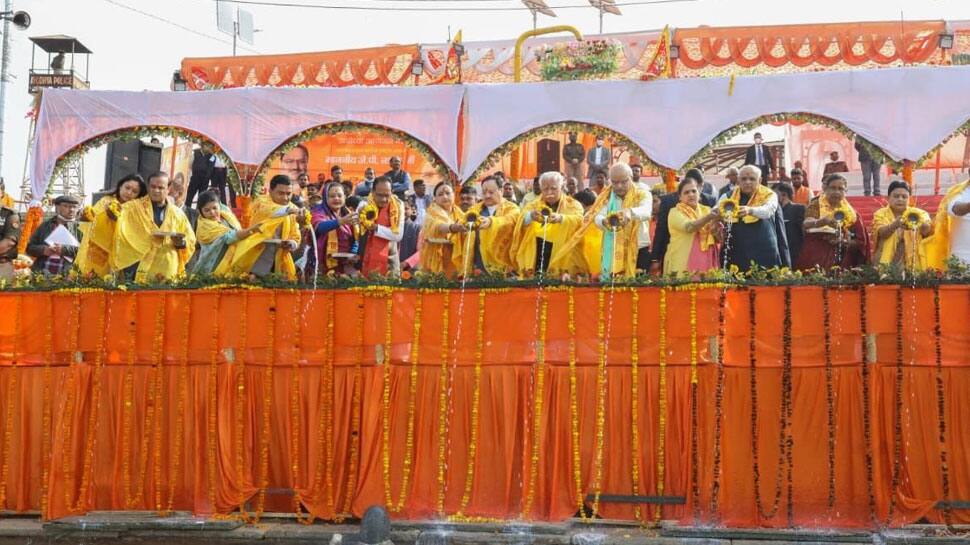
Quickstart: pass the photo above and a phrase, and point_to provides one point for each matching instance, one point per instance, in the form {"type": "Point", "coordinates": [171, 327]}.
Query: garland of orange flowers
{"type": "Point", "coordinates": [67, 420]}
{"type": "Point", "coordinates": [325, 419]}
{"type": "Point", "coordinates": [829, 393]}
{"type": "Point", "coordinates": [662, 398]}
{"type": "Point", "coordinates": [295, 413]}
{"type": "Point", "coordinates": [132, 501]}
{"type": "Point", "coordinates": [476, 402]}
{"type": "Point", "coordinates": [160, 389]}
{"type": "Point", "coordinates": [213, 407]}
{"type": "Point", "coordinates": [239, 362]}
{"type": "Point", "coordinates": [392, 505]}
{"type": "Point", "coordinates": [175, 456]}
{"type": "Point", "coordinates": [600, 405]}
{"type": "Point", "coordinates": [635, 399]}
{"type": "Point", "coordinates": [443, 404]}
{"type": "Point", "coordinates": [11, 393]}
{"type": "Point", "coordinates": [695, 487]}
{"type": "Point", "coordinates": [897, 462]}
{"type": "Point", "coordinates": [45, 448]}
{"type": "Point", "coordinates": [941, 409]}
{"type": "Point", "coordinates": [866, 404]}
{"type": "Point", "coordinates": [77, 506]}
{"type": "Point", "coordinates": [718, 405]}
{"type": "Point", "coordinates": [574, 406]}
{"type": "Point", "coordinates": [537, 408]}
{"type": "Point", "coordinates": [355, 415]}
{"type": "Point", "coordinates": [266, 431]}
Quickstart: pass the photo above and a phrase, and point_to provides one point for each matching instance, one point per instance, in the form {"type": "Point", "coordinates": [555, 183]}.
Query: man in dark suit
{"type": "Point", "coordinates": [203, 161]}
{"type": "Point", "coordinates": [661, 237]}
{"type": "Point", "coordinates": [760, 156]}
{"type": "Point", "coordinates": [794, 215]}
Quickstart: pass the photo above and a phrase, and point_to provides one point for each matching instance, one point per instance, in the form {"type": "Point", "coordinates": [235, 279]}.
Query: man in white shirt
{"type": "Point", "coordinates": [959, 212]}
{"type": "Point", "coordinates": [622, 182]}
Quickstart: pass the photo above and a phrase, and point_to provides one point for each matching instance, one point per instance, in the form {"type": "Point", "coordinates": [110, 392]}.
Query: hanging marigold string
{"type": "Point", "coordinates": [90, 433]}
{"type": "Point", "coordinates": [46, 401]}
{"type": "Point", "coordinates": [11, 395]}
{"type": "Point", "coordinates": [829, 393]}
{"type": "Point", "coordinates": [867, 404]}
{"type": "Point", "coordinates": [396, 506]}
{"type": "Point", "coordinates": [213, 406]}
{"type": "Point", "coordinates": [941, 409]}
{"type": "Point", "coordinates": [158, 357]}
{"type": "Point", "coordinates": [239, 409]}
{"type": "Point", "coordinates": [695, 485]}
{"type": "Point", "coordinates": [788, 407]}
{"type": "Point", "coordinates": [600, 405]}
{"type": "Point", "coordinates": [67, 417]}
{"type": "Point", "coordinates": [574, 405]}
{"type": "Point", "coordinates": [635, 400]}
{"type": "Point", "coordinates": [897, 461]}
{"type": "Point", "coordinates": [177, 452]}
{"type": "Point", "coordinates": [662, 400]}
{"type": "Point", "coordinates": [266, 434]}
{"type": "Point", "coordinates": [443, 405]}
{"type": "Point", "coordinates": [472, 457]}
{"type": "Point", "coordinates": [295, 416]}
{"type": "Point", "coordinates": [718, 405]}
{"type": "Point", "coordinates": [354, 459]}
{"type": "Point", "coordinates": [537, 407]}
{"type": "Point", "coordinates": [325, 420]}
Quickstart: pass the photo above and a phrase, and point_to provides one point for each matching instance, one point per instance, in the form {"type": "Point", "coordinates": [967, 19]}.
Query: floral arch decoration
{"type": "Point", "coordinates": [560, 127]}
{"type": "Point", "coordinates": [348, 126]}
{"type": "Point", "coordinates": [797, 117]}
{"type": "Point", "coordinates": [145, 131]}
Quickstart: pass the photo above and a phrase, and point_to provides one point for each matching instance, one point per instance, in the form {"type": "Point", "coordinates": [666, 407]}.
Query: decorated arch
{"type": "Point", "coordinates": [520, 147]}
{"type": "Point", "coordinates": [354, 146]}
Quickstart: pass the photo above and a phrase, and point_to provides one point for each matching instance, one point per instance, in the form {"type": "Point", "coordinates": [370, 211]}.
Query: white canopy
{"type": "Point", "coordinates": [905, 111]}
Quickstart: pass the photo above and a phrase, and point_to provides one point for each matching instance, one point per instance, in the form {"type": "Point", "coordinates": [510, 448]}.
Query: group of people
{"type": "Point", "coordinates": [616, 229]}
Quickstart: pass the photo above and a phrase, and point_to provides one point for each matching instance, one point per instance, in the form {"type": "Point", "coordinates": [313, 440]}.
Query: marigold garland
{"type": "Point", "coordinates": [574, 406]}
{"type": "Point", "coordinates": [897, 462]}
{"type": "Point", "coordinates": [325, 421]}
{"type": "Point", "coordinates": [443, 404]}
{"type": "Point", "coordinates": [718, 405]}
{"type": "Point", "coordinates": [67, 418]}
{"type": "Point", "coordinates": [354, 455]}
{"type": "Point", "coordinates": [867, 404]}
{"type": "Point", "coordinates": [46, 401]}
{"type": "Point", "coordinates": [600, 405]}
{"type": "Point", "coordinates": [537, 407]}
{"type": "Point", "coordinates": [829, 393]}
{"type": "Point", "coordinates": [662, 400]}
{"type": "Point", "coordinates": [175, 456]}
{"type": "Point", "coordinates": [213, 407]}
{"type": "Point", "coordinates": [941, 409]}
{"type": "Point", "coordinates": [396, 506]}
{"type": "Point", "coordinates": [238, 361]}
{"type": "Point", "coordinates": [11, 394]}
{"type": "Point", "coordinates": [266, 428]}
{"type": "Point", "coordinates": [635, 400]}
{"type": "Point", "coordinates": [158, 358]}
{"type": "Point", "coordinates": [295, 416]}
{"type": "Point", "coordinates": [695, 487]}
{"type": "Point", "coordinates": [472, 456]}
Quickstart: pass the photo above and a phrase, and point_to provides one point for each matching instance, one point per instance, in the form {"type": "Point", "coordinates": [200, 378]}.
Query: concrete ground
{"type": "Point", "coordinates": [137, 528]}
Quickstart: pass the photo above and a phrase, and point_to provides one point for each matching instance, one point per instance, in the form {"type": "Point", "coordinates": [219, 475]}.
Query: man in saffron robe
{"type": "Point", "coordinates": [758, 237]}
{"type": "Point", "coordinates": [544, 227]}
{"type": "Point", "coordinates": [614, 228]}
{"type": "Point", "coordinates": [490, 244]}
{"type": "Point", "coordinates": [268, 250]}
{"type": "Point", "coordinates": [383, 232]}
{"type": "Point", "coordinates": [153, 238]}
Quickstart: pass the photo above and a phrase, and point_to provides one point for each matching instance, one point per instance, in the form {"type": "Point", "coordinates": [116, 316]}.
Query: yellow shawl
{"type": "Point", "coordinates": [97, 233]}
{"type": "Point", "coordinates": [624, 243]}
{"type": "Point", "coordinates": [7, 201]}
{"type": "Point", "coordinates": [495, 243]}
{"type": "Point", "coordinates": [436, 258]}
{"type": "Point", "coordinates": [759, 198]}
{"type": "Point", "coordinates": [706, 233]}
{"type": "Point", "coordinates": [937, 246]}
{"type": "Point", "coordinates": [886, 248]}
{"type": "Point", "coordinates": [134, 241]}
{"type": "Point", "coordinates": [250, 248]}
{"type": "Point", "coordinates": [825, 210]}
{"type": "Point", "coordinates": [523, 252]}
{"type": "Point", "coordinates": [394, 211]}
{"type": "Point", "coordinates": [207, 230]}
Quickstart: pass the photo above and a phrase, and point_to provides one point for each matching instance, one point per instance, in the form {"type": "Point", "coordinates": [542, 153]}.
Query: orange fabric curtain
{"type": "Point", "coordinates": [208, 400]}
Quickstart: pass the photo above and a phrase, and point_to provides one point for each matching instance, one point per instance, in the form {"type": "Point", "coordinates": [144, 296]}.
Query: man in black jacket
{"type": "Point", "coordinates": [55, 259]}
{"type": "Point", "coordinates": [794, 215]}
{"type": "Point", "coordinates": [203, 162]}
{"type": "Point", "coordinates": [760, 156]}
{"type": "Point", "coordinates": [661, 237]}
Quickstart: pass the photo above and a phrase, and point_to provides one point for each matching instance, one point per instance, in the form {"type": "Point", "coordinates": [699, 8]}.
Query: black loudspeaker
{"type": "Point", "coordinates": [120, 161]}
{"type": "Point", "coordinates": [126, 157]}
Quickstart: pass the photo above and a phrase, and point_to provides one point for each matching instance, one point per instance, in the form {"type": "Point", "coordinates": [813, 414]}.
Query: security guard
{"type": "Point", "coordinates": [9, 237]}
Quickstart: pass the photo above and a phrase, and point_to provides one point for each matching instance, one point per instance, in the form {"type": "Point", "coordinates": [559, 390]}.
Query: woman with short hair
{"type": "Point", "coordinates": [834, 233]}
{"type": "Point", "coordinates": [899, 230]}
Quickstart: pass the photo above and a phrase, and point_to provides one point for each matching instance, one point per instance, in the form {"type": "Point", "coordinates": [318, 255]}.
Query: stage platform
{"type": "Point", "coordinates": [838, 407]}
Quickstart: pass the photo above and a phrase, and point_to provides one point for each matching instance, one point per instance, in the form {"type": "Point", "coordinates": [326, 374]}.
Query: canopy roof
{"type": "Point", "coordinates": [59, 43]}
{"type": "Point", "coordinates": [905, 111]}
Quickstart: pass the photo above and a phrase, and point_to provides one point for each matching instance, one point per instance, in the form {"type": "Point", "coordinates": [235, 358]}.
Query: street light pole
{"type": "Point", "coordinates": [4, 71]}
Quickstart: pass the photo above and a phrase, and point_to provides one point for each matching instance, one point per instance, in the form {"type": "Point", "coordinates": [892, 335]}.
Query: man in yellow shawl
{"type": "Point", "coordinates": [613, 228]}
{"type": "Point", "coordinates": [544, 227]}
{"type": "Point", "coordinates": [153, 238]}
{"type": "Point", "coordinates": [490, 241]}
{"type": "Point", "coordinates": [951, 231]}
{"type": "Point", "coordinates": [267, 250]}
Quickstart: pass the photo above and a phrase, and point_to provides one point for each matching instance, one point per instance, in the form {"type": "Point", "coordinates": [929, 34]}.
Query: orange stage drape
{"type": "Point", "coordinates": [207, 400]}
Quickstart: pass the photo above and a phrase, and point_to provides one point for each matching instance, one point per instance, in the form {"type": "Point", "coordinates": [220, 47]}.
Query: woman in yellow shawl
{"type": "Point", "coordinates": [98, 225]}
{"type": "Point", "coordinates": [441, 221]}
{"type": "Point", "coordinates": [692, 246]}
{"type": "Point", "coordinates": [217, 231]}
{"type": "Point", "coordinates": [834, 234]}
{"type": "Point", "coordinates": [900, 229]}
